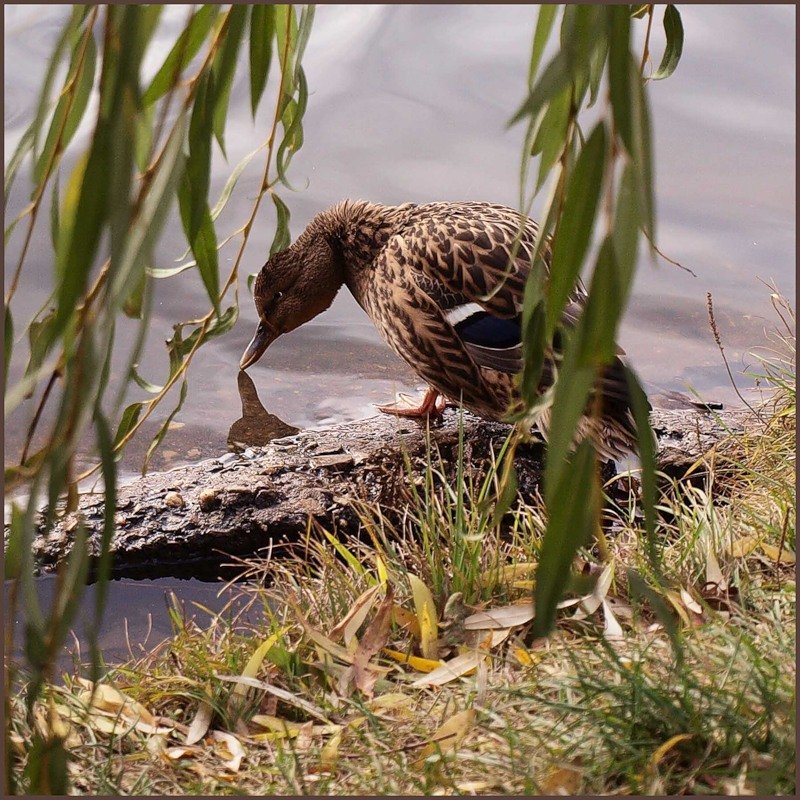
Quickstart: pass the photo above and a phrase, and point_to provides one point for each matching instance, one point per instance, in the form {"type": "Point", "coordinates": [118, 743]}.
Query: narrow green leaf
{"type": "Point", "coordinates": [303, 34]}
{"type": "Point", "coordinates": [204, 248]}
{"type": "Point", "coordinates": [533, 344]}
{"type": "Point", "coordinates": [551, 136]}
{"type": "Point", "coordinates": [293, 129]}
{"type": "Point", "coordinates": [152, 388]}
{"type": "Point", "coordinates": [596, 70]}
{"type": "Point", "coordinates": [508, 486]}
{"type": "Point", "coordinates": [262, 31]}
{"type": "Point", "coordinates": [143, 233]}
{"type": "Point", "coordinates": [647, 458]}
{"type": "Point", "coordinates": [132, 304]}
{"type": "Point", "coordinates": [70, 108]}
{"type": "Point", "coordinates": [197, 173]}
{"type": "Point", "coordinates": [55, 216]}
{"type": "Point", "coordinates": [286, 41]}
{"type": "Point", "coordinates": [39, 335]}
{"type": "Point", "coordinates": [24, 146]}
{"type": "Point", "coordinates": [642, 152]}
{"type": "Point", "coordinates": [224, 67]}
{"type": "Point", "coordinates": [282, 236]}
{"type": "Point", "coordinates": [130, 416]}
{"type": "Point", "coordinates": [572, 515]}
{"type": "Point", "coordinates": [598, 324]}
{"type": "Point", "coordinates": [555, 78]}
{"type": "Point", "coordinates": [619, 75]}
{"type": "Point", "coordinates": [576, 224]}
{"type": "Point", "coordinates": [182, 52]}
{"type": "Point", "coordinates": [544, 26]}
{"type": "Point", "coordinates": [673, 30]}
{"type": "Point", "coordinates": [103, 570]}
{"type": "Point", "coordinates": [8, 340]}
{"type": "Point", "coordinates": [627, 223]}
{"type": "Point", "coordinates": [230, 184]}
{"type": "Point", "coordinates": [143, 136]}
{"type": "Point", "coordinates": [569, 404]}
{"type": "Point", "coordinates": [68, 37]}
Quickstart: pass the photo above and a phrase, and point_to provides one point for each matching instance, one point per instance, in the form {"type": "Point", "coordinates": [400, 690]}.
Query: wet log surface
{"type": "Point", "coordinates": [191, 521]}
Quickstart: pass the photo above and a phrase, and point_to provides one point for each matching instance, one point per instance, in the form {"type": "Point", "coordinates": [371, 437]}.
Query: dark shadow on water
{"type": "Point", "coordinates": [256, 427]}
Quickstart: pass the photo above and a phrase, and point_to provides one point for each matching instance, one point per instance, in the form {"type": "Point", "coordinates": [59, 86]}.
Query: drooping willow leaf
{"type": "Point", "coordinates": [182, 52]}
{"type": "Point", "coordinates": [673, 30]}
{"type": "Point", "coordinates": [576, 223]}
{"type": "Point", "coordinates": [262, 31]}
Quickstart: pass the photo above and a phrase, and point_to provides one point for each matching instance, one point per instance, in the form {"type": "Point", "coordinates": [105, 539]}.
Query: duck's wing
{"type": "Point", "coordinates": [473, 260]}
{"type": "Point", "coordinates": [415, 325]}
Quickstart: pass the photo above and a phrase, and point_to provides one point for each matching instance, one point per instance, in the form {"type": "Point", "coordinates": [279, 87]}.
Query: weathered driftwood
{"type": "Point", "coordinates": [191, 520]}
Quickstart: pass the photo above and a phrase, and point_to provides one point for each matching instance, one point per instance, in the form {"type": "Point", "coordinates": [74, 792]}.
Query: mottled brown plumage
{"type": "Point", "coordinates": [435, 280]}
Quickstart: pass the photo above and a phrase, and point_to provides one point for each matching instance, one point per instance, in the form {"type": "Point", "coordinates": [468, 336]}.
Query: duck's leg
{"type": "Point", "coordinates": [429, 407]}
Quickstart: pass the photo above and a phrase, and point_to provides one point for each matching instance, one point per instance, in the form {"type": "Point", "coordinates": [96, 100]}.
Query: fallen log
{"type": "Point", "coordinates": [190, 521]}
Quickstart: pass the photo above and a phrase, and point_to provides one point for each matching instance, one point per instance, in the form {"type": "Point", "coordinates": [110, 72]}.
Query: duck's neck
{"type": "Point", "coordinates": [359, 230]}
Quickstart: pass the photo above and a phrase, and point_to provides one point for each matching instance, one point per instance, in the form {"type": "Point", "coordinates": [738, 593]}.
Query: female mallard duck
{"type": "Point", "coordinates": [435, 280]}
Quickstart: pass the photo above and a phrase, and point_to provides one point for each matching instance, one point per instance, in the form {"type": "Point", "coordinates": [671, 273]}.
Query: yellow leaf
{"type": "Point", "coordinates": [388, 701]}
{"type": "Point", "coordinates": [516, 571]}
{"type": "Point", "coordinates": [383, 574]}
{"type": "Point", "coordinates": [329, 755]}
{"type": "Point", "coordinates": [404, 618]}
{"type": "Point", "coordinates": [464, 664]}
{"type": "Point", "coordinates": [415, 662]}
{"type": "Point", "coordinates": [771, 552]}
{"type": "Point", "coordinates": [255, 661]}
{"type": "Point", "coordinates": [741, 547]}
{"type": "Point", "coordinates": [562, 781]}
{"type": "Point", "coordinates": [283, 727]}
{"type": "Point", "coordinates": [523, 656]}
{"type": "Point", "coordinates": [450, 735]}
{"type": "Point", "coordinates": [107, 698]}
{"type": "Point", "coordinates": [426, 616]}
{"type": "Point", "coordinates": [664, 748]}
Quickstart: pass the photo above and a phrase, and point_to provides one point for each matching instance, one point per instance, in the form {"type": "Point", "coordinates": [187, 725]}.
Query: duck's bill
{"type": "Point", "coordinates": [263, 338]}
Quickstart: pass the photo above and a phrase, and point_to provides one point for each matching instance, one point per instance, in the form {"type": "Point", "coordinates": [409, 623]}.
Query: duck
{"type": "Point", "coordinates": [443, 283]}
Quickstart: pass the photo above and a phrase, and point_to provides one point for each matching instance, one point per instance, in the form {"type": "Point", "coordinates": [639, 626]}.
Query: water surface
{"type": "Point", "coordinates": [410, 103]}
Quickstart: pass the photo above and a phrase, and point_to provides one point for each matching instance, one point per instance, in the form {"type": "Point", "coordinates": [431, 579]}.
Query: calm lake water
{"type": "Point", "coordinates": [410, 103]}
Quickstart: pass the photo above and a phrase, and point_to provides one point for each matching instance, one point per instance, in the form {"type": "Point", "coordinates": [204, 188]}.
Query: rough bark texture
{"type": "Point", "coordinates": [191, 520]}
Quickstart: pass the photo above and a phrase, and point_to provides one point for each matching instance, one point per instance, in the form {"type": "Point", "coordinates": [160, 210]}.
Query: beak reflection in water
{"type": "Point", "coordinates": [256, 427]}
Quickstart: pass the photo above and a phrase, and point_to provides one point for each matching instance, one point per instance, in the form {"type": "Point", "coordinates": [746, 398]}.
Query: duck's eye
{"type": "Point", "coordinates": [278, 295]}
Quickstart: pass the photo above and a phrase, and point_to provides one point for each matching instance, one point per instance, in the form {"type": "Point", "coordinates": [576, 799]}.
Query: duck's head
{"type": "Point", "coordinates": [293, 287]}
